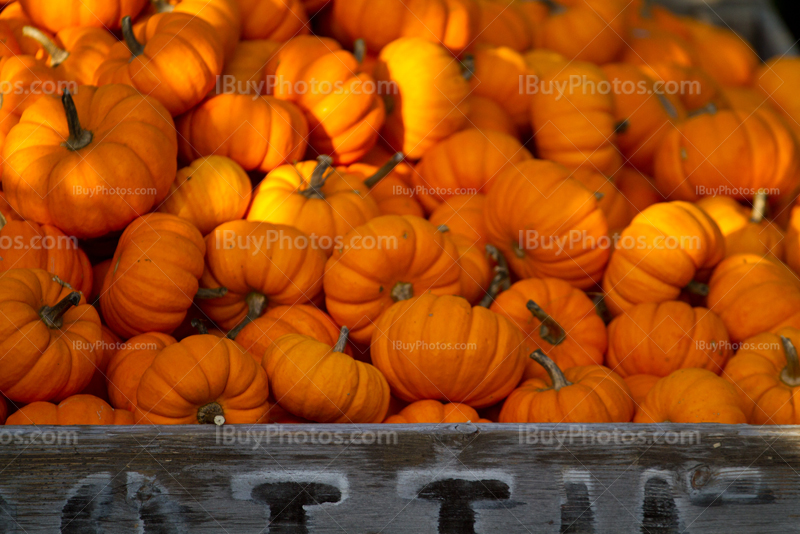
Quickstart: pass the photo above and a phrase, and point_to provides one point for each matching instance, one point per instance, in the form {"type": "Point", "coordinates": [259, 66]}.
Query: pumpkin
{"type": "Point", "coordinates": [440, 347]}
{"type": "Point", "coordinates": [80, 53]}
{"type": "Point", "coordinates": [637, 189]}
{"type": "Point", "coordinates": [610, 201]}
{"type": "Point", "coordinates": [223, 15]}
{"type": "Point", "coordinates": [465, 163]}
{"type": "Point", "coordinates": [26, 80]}
{"type": "Point", "coordinates": [776, 81]}
{"type": "Point", "coordinates": [766, 373]}
{"type": "Point", "coordinates": [110, 343]}
{"type": "Point", "coordinates": [257, 261]}
{"type": "Point", "coordinates": [792, 244]}
{"type": "Point", "coordinates": [576, 128]}
{"type": "Point", "coordinates": [501, 23]}
{"type": "Point", "coordinates": [318, 382]}
{"type": "Point", "coordinates": [753, 294]}
{"type": "Point", "coordinates": [70, 13]}
{"type": "Point", "coordinates": [312, 6]}
{"type": "Point", "coordinates": [202, 379]}
{"type": "Point", "coordinates": [147, 57]}
{"type": "Point", "coordinates": [433, 411]}
{"type": "Point", "coordinates": [660, 338]}
{"type": "Point", "coordinates": [128, 364]}
{"type": "Point", "coordinates": [92, 164]}
{"type": "Point", "coordinates": [27, 245]}
{"type": "Point", "coordinates": [486, 114]}
{"type": "Point", "coordinates": [154, 277]}
{"type": "Point", "coordinates": [547, 224]}
{"type": "Point", "coordinates": [209, 192]}
{"type": "Point", "coordinates": [280, 416]}
{"type": "Point", "coordinates": [640, 386]}
{"type": "Point", "coordinates": [389, 259]}
{"type": "Point", "coordinates": [691, 396]}
{"type": "Point", "coordinates": [728, 58]}
{"type": "Point", "coordinates": [245, 73]}
{"type": "Point", "coordinates": [425, 95]}
{"type": "Point", "coordinates": [476, 271]}
{"type": "Point", "coordinates": [99, 272]}
{"type": "Point", "coordinates": [259, 132]}
{"type": "Point", "coordinates": [8, 121]}
{"type": "Point", "coordinates": [13, 16]}
{"type": "Point", "coordinates": [463, 216]}
{"type": "Point", "coordinates": [316, 199]}
{"type": "Point", "coordinates": [74, 410]}
{"type": "Point", "coordinates": [3, 410]}
{"type": "Point", "coordinates": [746, 231]}
{"type": "Point", "coordinates": [557, 319]}
{"type": "Point", "coordinates": [387, 180]}
{"type": "Point", "coordinates": [7, 211]}
{"type": "Point", "coordinates": [278, 20]}
{"type": "Point", "coordinates": [50, 337]}
{"type": "Point", "coordinates": [644, 15]}
{"type": "Point", "coordinates": [345, 111]}
{"type": "Point", "coordinates": [732, 152]}
{"type": "Point", "coordinates": [659, 254]}
{"type": "Point", "coordinates": [589, 394]}
{"type": "Point", "coordinates": [8, 42]}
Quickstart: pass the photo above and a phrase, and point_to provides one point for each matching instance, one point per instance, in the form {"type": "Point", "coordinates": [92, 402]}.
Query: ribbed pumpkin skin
{"type": "Point", "coordinates": [22, 71]}
{"type": "Point", "coordinates": [154, 277]}
{"type": "Point", "coordinates": [439, 347]}
{"type": "Point", "coordinates": [613, 203]}
{"type": "Point", "coordinates": [74, 410]}
{"type": "Point", "coordinates": [393, 194]}
{"type": "Point", "coordinates": [637, 189]}
{"type": "Point", "coordinates": [279, 20]}
{"type": "Point", "coordinates": [660, 338]}
{"type": "Point", "coordinates": [388, 251]}
{"type": "Point", "coordinates": [476, 271]}
{"type": "Point", "coordinates": [463, 215]}
{"type": "Point", "coordinates": [741, 235]}
{"type": "Point", "coordinates": [692, 396]}
{"type": "Point", "coordinates": [246, 69]}
{"type": "Point", "coordinates": [311, 380]}
{"type": "Point", "coordinates": [88, 48]}
{"type": "Point", "coordinates": [433, 411]}
{"type": "Point", "coordinates": [128, 364]}
{"type": "Point", "coordinates": [187, 376]}
{"type": "Point", "coordinates": [497, 77]}
{"type": "Point", "coordinates": [640, 386]}
{"type": "Point", "coordinates": [40, 363]}
{"type": "Point", "coordinates": [596, 395]}
{"type": "Point", "coordinates": [792, 243]}
{"type": "Point", "coordinates": [68, 13]}
{"type": "Point", "coordinates": [776, 80]}
{"type": "Point", "coordinates": [486, 114]}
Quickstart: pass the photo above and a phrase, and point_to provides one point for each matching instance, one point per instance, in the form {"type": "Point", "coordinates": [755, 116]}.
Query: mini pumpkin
{"type": "Point", "coordinates": [318, 382]}
{"type": "Point", "coordinates": [486, 114]}
{"type": "Point", "coordinates": [776, 81]}
{"type": "Point", "coordinates": [463, 215]}
{"type": "Point", "coordinates": [278, 20]}
{"type": "Point", "coordinates": [74, 410]}
{"type": "Point", "coordinates": [440, 347]}
{"type": "Point", "coordinates": [433, 411]}
{"type": "Point", "coordinates": [590, 394]}
{"type": "Point", "coordinates": [26, 80]}
{"type": "Point", "coordinates": [70, 13]}
{"type": "Point", "coordinates": [476, 271]}
{"type": "Point", "coordinates": [727, 57]}
{"type": "Point", "coordinates": [501, 23]}
{"type": "Point", "coordinates": [128, 364]}
{"type": "Point", "coordinates": [792, 244]}
{"type": "Point", "coordinates": [640, 386]}
{"type": "Point", "coordinates": [637, 189]}
{"type": "Point", "coordinates": [387, 178]}
{"type": "Point", "coordinates": [691, 396]}
{"type": "Point", "coordinates": [245, 73]}
{"type": "Point", "coordinates": [76, 53]}
{"type": "Point", "coordinates": [223, 15]}
{"type": "Point", "coordinates": [609, 199]}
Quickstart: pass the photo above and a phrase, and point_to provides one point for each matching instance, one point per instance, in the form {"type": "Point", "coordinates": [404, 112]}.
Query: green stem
{"type": "Point", "coordinates": [78, 137]}
{"type": "Point", "coordinates": [502, 277]}
{"type": "Point", "coordinates": [57, 55]}
{"type": "Point", "coordinates": [556, 375]}
{"type": "Point", "coordinates": [550, 330]}
{"type": "Point", "coordinates": [256, 302]}
{"type": "Point", "coordinates": [341, 343]}
{"type": "Point", "coordinates": [384, 171]}
{"type": "Point", "coordinates": [52, 316]}
{"type": "Point", "coordinates": [136, 48]}
{"type": "Point", "coordinates": [207, 293]}
{"type": "Point", "coordinates": [791, 373]}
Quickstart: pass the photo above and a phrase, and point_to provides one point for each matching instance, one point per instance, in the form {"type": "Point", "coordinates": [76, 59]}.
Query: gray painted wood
{"type": "Point", "coordinates": [420, 479]}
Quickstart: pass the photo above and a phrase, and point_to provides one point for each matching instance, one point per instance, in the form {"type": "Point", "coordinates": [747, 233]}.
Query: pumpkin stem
{"type": "Point", "coordinates": [57, 55]}
{"type": "Point", "coordinates": [211, 414]}
{"type": "Point", "coordinates": [599, 196]}
{"type": "Point", "coordinates": [360, 50]}
{"type": "Point", "coordinates": [550, 330]}
{"type": "Point", "coordinates": [622, 126]}
{"type": "Point", "coordinates": [318, 178]}
{"type": "Point", "coordinates": [256, 302]}
{"type": "Point", "coordinates": [668, 106]}
{"type": "Point", "coordinates": [443, 228]}
{"type": "Point", "coordinates": [52, 316]}
{"type": "Point", "coordinates": [647, 9]}
{"type": "Point", "coordinates": [556, 375]}
{"type": "Point", "coordinates": [162, 6]}
{"type": "Point", "coordinates": [209, 293]}
{"type": "Point", "coordinates": [759, 207]}
{"type": "Point", "coordinates": [78, 137]}
{"type": "Point", "coordinates": [468, 67]}
{"type": "Point", "coordinates": [710, 108]}
{"type": "Point", "coordinates": [200, 326]}
{"type": "Point", "coordinates": [697, 288]}
{"type": "Point", "coordinates": [384, 171]}
{"type": "Point", "coordinates": [136, 48]}
{"type": "Point", "coordinates": [791, 373]}
{"type": "Point", "coordinates": [600, 307]}
{"type": "Point", "coordinates": [3, 221]}
{"type": "Point", "coordinates": [341, 343]}
{"type": "Point", "coordinates": [555, 9]}
{"type": "Point", "coordinates": [402, 291]}
{"type": "Point", "coordinates": [502, 278]}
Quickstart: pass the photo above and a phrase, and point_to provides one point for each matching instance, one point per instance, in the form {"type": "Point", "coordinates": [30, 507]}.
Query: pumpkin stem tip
{"type": "Point", "coordinates": [556, 375]}
{"type": "Point", "coordinates": [341, 343]}
{"type": "Point", "coordinates": [208, 414]}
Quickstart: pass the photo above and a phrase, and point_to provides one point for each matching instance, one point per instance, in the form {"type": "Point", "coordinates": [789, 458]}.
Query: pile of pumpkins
{"type": "Point", "coordinates": [444, 240]}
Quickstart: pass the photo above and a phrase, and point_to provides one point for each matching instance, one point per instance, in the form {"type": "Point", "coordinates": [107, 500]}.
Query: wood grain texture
{"type": "Point", "coordinates": [420, 479]}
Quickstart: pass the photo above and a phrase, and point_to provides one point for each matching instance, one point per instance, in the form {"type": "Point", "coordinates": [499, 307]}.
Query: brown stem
{"type": "Point", "coordinates": [384, 171]}
{"type": "Point", "coordinates": [206, 293]}
{"type": "Point", "coordinates": [697, 288]}
{"type": "Point", "coordinates": [402, 291]}
{"type": "Point", "coordinates": [341, 343]}
{"type": "Point", "coordinates": [668, 106]}
{"type": "Point", "coordinates": [211, 414]}
{"type": "Point", "coordinates": [791, 373]}
{"type": "Point", "coordinates": [136, 48]}
{"type": "Point", "coordinates": [318, 178]}
{"type": "Point", "coordinates": [759, 207]}
{"type": "Point", "coordinates": [57, 55]}
{"type": "Point", "coordinates": [162, 6]}
{"type": "Point", "coordinates": [710, 108]}
{"type": "Point", "coordinates": [52, 316]}
{"type": "Point", "coordinates": [360, 50]}
{"type": "Point", "coordinates": [200, 326]}
{"type": "Point", "coordinates": [78, 137]}
{"type": "Point", "coordinates": [468, 67]}
{"type": "Point", "coordinates": [443, 228]}
{"type": "Point", "coordinates": [256, 302]}
{"type": "Point", "coordinates": [555, 9]}
{"type": "Point", "coordinates": [599, 196]}
{"type": "Point", "coordinates": [622, 126]}
{"type": "Point", "coordinates": [600, 307]}
{"type": "Point", "coordinates": [550, 330]}
{"type": "Point", "coordinates": [3, 221]}
{"type": "Point", "coordinates": [556, 376]}
{"type": "Point", "coordinates": [502, 277]}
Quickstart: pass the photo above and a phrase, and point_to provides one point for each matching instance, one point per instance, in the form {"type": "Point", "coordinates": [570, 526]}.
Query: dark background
{"type": "Point", "coordinates": [791, 14]}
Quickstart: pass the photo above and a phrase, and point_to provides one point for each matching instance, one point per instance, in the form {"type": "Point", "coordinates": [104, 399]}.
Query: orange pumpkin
{"type": "Point", "coordinates": [92, 164]}
{"type": "Point", "coordinates": [691, 396]}
{"type": "Point", "coordinates": [257, 261]}
{"type": "Point", "coordinates": [476, 271]}
{"type": "Point", "coordinates": [728, 58]}
{"type": "Point", "coordinates": [26, 80]}
{"type": "Point", "coordinates": [590, 394]}
{"type": "Point", "coordinates": [245, 72]}
{"type": "Point", "coordinates": [637, 189]}
{"type": "Point", "coordinates": [155, 273]}
{"type": "Point", "coordinates": [497, 75]}
{"type": "Point", "coordinates": [128, 364]}
{"type": "Point", "coordinates": [557, 319]}
{"type": "Point", "coordinates": [209, 192]}
{"type": "Point", "coordinates": [659, 254]}
{"type": "Point", "coordinates": [110, 344]}
{"type": "Point", "coordinates": [465, 163]}
{"type": "Point", "coordinates": [74, 410]}
{"type": "Point", "coordinates": [501, 23]}
{"type": "Point", "coordinates": [433, 411]}
{"type": "Point", "coordinates": [259, 132]}
{"type": "Point", "coordinates": [777, 80]}
{"type": "Point", "coordinates": [147, 58]}
{"type": "Point", "coordinates": [318, 382]}
{"type": "Point", "coordinates": [439, 347]}
{"type": "Point", "coordinates": [464, 216]}
{"type": "Point", "coordinates": [640, 386]}
{"type": "Point", "coordinates": [312, 6]}
{"type": "Point", "coordinates": [766, 373]}
{"type": "Point", "coordinates": [99, 272]}
{"type": "Point", "coordinates": [660, 338]}
{"type": "Point", "coordinates": [278, 20]}
{"type": "Point", "coordinates": [223, 15]}
{"type": "Point", "coordinates": [387, 178]}
{"type": "Point", "coordinates": [76, 53]}
{"type": "Point", "coordinates": [16, 19]}
{"type": "Point", "coordinates": [202, 379]}
{"type": "Point", "coordinates": [425, 95]}
{"type": "Point", "coordinates": [8, 42]}
{"type": "Point", "coordinates": [69, 13]}
{"type": "Point", "coordinates": [50, 337]}
{"type": "Point", "coordinates": [753, 294]}
{"type": "Point", "coordinates": [792, 244]}
{"type": "Point", "coordinates": [389, 259]}
{"type": "Point", "coordinates": [610, 201]}
{"type": "Point", "coordinates": [547, 224]}
{"type": "Point", "coordinates": [486, 114]}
